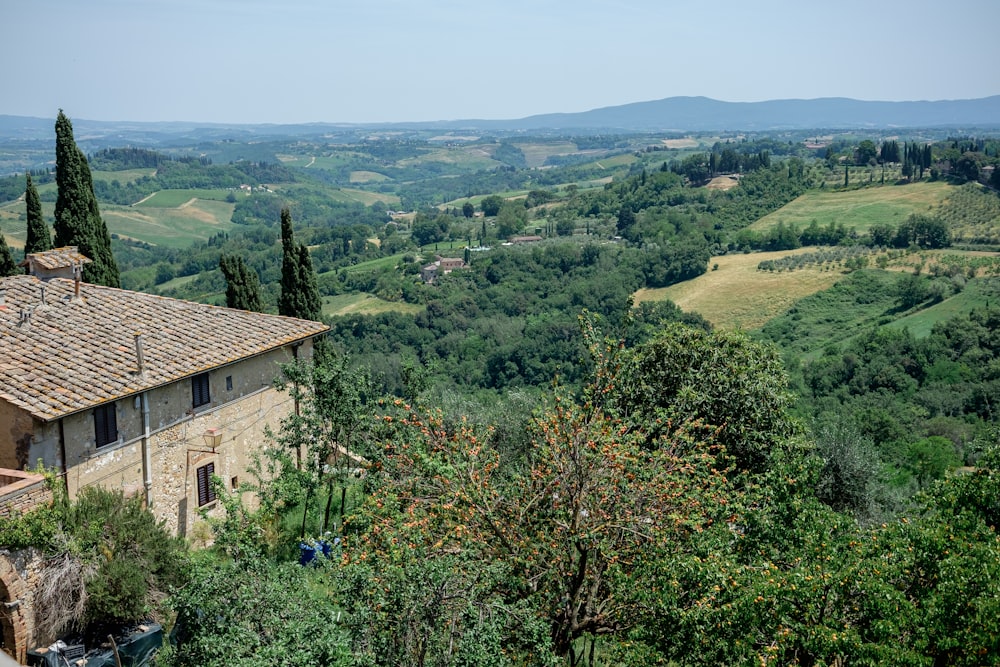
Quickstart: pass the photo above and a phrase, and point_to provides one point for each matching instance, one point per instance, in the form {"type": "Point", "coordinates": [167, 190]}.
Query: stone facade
{"type": "Point", "coordinates": [20, 572]}
{"type": "Point", "coordinates": [243, 404]}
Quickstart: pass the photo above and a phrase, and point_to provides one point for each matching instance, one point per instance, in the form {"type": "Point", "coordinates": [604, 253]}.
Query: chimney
{"type": "Point", "coordinates": [138, 353]}
{"type": "Point", "coordinates": [3, 299]}
{"type": "Point", "coordinates": [77, 273]}
{"type": "Point", "coordinates": [43, 293]}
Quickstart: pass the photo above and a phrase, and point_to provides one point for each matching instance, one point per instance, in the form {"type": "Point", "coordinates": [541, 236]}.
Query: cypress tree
{"type": "Point", "coordinates": [78, 219]}
{"type": "Point", "coordinates": [242, 284]}
{"type": "Point", "coordinates": [312, 304]}
{"type": "Point", "coordinates": [39, 237]}
{"type": "Point", "coordinates": [8, 267]}
{"type": "Point", "coordinates": [299, 287]}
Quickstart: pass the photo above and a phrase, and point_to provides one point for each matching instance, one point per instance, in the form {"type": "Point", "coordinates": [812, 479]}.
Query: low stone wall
{"type": "Point", "coordinates": [22, 491]}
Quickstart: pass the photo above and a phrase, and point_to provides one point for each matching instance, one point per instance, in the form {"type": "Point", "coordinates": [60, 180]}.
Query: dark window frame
{"type": "Point", "coordinates": [206, 494]}
{"type": "Point", "coordinates": [200, 392]}
{"type": "Point", "coordinates": [105, 425]}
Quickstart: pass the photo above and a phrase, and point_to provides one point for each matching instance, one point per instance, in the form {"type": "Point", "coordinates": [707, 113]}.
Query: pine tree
{"type": "Point", "coordinates": [78, 219]}
{"type": "Point", "coordinates": [299, 287]}
{"type": "Point", "coordinates": [242, 284]}
{"type": "Point", "coordinates": [8, 267]}
{"type": "Point", "coordinates": [39, 237]}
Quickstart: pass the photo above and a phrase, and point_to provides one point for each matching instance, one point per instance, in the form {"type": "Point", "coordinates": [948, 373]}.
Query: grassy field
{"type": "Point", "coordinates": [124, 176]}
{"type": "Point", "coordinates": [171, 227]}
{"type": "Point", "coordinates": [364, 304]}
{"type": "Point", "coordinates": [977, 294]}
{"type": "Point", "coordinates": [178, 198]}
{"type": "Point", "coordinates": [859, 209]}
{"type": "Point", "coordinates": [346, 195]}
{"type": "Point", "coordinates": [535, 155]}
{"type": "Point", "coordinates": [466, 157]}
{"type": "Point", "coordinates": [737, 295]}
{"type": "Point", "coordinates": [367, 177]}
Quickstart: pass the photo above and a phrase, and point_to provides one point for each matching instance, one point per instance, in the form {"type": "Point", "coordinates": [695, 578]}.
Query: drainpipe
{"type": "Point", "coordinates": [147, 460]}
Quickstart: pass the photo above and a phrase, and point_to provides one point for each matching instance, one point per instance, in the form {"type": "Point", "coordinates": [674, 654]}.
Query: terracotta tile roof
{"type": "Point", "coordinates": [60, 258]}
{"type": "Point", "coordinates": [72, 354]}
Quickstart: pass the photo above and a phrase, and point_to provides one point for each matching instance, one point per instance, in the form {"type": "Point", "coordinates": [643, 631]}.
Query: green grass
{"type": "Point", "coordinates": [860, 300]}
{"type": "Point", "coordinates": [371, 265]}
{"type": "Point", "coordinates": [124, 176]}
{"type": "Point", "coordinates": [977, 294]}
{"type": "Point", "coordinates": [859, 209]}
{"type": "Point", "coordinates": [466, 157]}
{"type": "Point", "coordinates": [364, 304]}
{"type": "Point", "coordinates": [171, 227]}
{"type": "Point", "coordinates": [367, 177]}
{"type": "Point", "coordinates": [177, 282]}
{"type": "Point", "coordinates": [348, 195]}
{"type": "Point", "coordinates": [535, 155]}
{"type": "Point", "coordinates": [177, 198]}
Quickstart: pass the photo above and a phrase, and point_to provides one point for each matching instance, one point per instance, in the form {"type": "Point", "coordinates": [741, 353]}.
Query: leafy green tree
{"type": "Point", "coordinates": [865, 153]}
{"type": "Point", "coordinates": [127, 561]}
{"type": "Point", "coordinates": [299, 288]}
{"type": "Point", "coordinates": [911, 290]}
{"type": "Point", "coordinates": [78, 220]}
{"type": "Point", "coordinates": [490, 206]}
{"type": "Point", "coordinates": [256, 613]}
{"type": "Point", "coordinates": [590, 504]}
{"type": "Point", "coordinates": [242, 284]}
{"type": "Point", "coordinates": [39, 238]}
{"type": "Point", "coordinates": [8, 267]}
{"type": "Point", "coordinates": [511, 219]}
{"type": "Point", "coordinates": [722, 379]}
{"type": "Point", "coordinates": [967, 167]}
{"type": "Point", "coordinates": [468, 210]}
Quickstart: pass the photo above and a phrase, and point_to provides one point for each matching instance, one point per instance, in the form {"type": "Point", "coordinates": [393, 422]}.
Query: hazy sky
{"type": "Point", "coordinates": [248, 61]}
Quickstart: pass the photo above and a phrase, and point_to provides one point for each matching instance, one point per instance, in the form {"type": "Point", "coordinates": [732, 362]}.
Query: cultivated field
{"type": "Point", "coordinates": [367, 177]}
{"type": "Point", "coordinates": [181, 198]}
{"type": "Point", "coordinates": [859, 209]}
{"type": "Point", "coordinates": [535, 155]}
{"type": "Point", "coordinates": [363, 304]}
{"type": "Point", "coordinates": [171, 227]}
{"type": "Point", "coordinates": [738, 296]}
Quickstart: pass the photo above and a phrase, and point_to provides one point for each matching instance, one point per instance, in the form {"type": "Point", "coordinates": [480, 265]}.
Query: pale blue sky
{"type": "Point", "coordinates": [242, 61]}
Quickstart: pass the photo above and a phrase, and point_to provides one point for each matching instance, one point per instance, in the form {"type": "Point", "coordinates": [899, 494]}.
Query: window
{"type": "Point", "coordinates": [205, 492]}
{"type": "Point", "coordinates": [105, 424]}
{"type": "Point", "coordinates": [229, 383]}
{"type": "Point", "coordinates": [199, 390]}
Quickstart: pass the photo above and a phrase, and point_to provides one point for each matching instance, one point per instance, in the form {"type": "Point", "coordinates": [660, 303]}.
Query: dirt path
{"type": "Point", "coordinates": [312, 161]}
{"type": "Point", "coordinates": [143, 199]}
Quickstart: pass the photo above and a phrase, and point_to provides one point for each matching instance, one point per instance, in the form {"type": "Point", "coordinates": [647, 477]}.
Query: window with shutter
{"type": "Point", "coordinates": [105, 425]}
{"type": "Point", "coordinates": [199, 390]}
{"type": "Point", "coordinates": [205, 492]}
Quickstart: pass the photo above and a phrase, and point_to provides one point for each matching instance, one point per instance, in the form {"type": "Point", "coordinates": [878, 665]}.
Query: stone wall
{"type": "Point", "coordinates": [22, 491]}
{"type": "Point", "coordinates": [20, 572]}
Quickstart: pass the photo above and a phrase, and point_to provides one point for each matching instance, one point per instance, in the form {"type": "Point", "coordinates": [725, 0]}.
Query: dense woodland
{"type": "Point", "coordinates": [537, 446]}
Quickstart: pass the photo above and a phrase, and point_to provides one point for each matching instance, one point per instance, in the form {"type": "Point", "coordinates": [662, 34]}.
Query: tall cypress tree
{"type": "Point", "coordinates": [299, 287]}
{"type": "Point", "coordinates": [8, 267]}
{"type": "Point", "coordinates": [242, 284]}
{"type": "Point", "coordinates": [78, 218]}
{"type": "Point", "coordinates": [39, 237]}
{"type": "Point", "coordinates": [311, 303]}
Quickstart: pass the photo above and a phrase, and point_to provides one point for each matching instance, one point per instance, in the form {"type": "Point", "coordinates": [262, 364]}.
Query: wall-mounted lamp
{"type": "Point", "coordinates": [213, 438]}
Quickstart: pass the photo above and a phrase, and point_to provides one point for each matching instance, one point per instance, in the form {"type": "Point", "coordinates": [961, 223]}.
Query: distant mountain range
{"type": "Point", "coordinates": [681, 114]}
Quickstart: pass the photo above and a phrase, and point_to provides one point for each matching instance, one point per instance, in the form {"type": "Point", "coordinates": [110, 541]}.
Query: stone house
{"type": "Point", "coordinates": [442, 266]}
{"type": "Point", "coordinates": [137, 392]}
